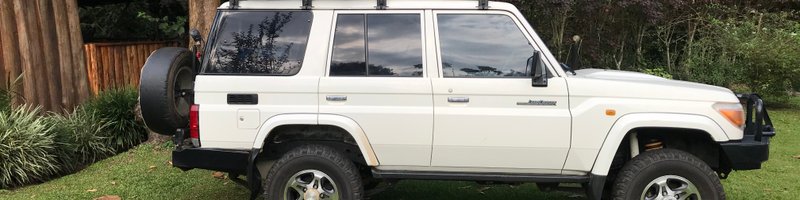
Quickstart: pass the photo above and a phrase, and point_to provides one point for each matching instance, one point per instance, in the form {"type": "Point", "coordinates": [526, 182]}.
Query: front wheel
{"type": "Point", "coordinates": [313, 172]}
{"type": "Point", "coordinates": [667, 174]}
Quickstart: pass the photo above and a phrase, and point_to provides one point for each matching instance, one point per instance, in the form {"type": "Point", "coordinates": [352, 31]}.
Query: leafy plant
{"type": "Point", "coordinates": [759, 51]}
{"type": "Point", "coordinates": [79, 139]}
{"type": "Point", "coordinates": [170, 29]}
{"type": "Point", "coordinates": [661, 72]}
{"type": "Point", "coordinates": [116, 107]}
{"type": "Point", "coordinates": [26, 144]}
{"type": "Point", "coordinates": [5, 100]}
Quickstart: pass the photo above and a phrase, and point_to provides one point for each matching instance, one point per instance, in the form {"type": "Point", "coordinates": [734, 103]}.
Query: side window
{"type": "Point", "coordinates": [483, 46]}
{"type": "Point", "coordinates": [259, 42]}
{"type": "Point", "coordinates": [377, 45]}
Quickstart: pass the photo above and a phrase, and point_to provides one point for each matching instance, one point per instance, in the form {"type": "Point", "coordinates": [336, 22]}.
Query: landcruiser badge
{"type": "Point", "coordinates": [537, 103]}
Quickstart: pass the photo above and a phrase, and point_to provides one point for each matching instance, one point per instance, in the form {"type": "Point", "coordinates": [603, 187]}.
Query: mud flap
{"type": "Point", "coordinates": [253, 175]}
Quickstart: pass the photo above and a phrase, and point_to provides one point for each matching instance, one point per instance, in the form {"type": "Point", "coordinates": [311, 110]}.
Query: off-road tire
{"type": "Point", "coordinates": [646, 167]}
{"type": "Point", "coordinates": [318, 157]}
{"type": "Point", "coordinates": [157, 89]}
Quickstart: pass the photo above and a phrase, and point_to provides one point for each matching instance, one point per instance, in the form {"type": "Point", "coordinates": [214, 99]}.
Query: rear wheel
{"type": "Point", "coordinates": [667, 174]}
{"type": "Point", "coordinates": [313, 172]}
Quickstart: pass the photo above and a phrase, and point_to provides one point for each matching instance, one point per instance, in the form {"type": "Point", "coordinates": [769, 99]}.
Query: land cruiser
{"type": "Point", "coordinates": [330, 99]}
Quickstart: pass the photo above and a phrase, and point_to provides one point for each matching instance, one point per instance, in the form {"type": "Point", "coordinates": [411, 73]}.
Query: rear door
{"type": "Point", "coordinates": [487, 114]}
{"type": "Point", "coordinates": [376, 77]}
{"type": "Point", "coordinates": [255, 68]}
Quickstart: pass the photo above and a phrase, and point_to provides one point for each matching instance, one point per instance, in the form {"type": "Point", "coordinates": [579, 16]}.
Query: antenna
{"type": "Point", "coordinates": [483, 4]}
{"type": "Point", "coordinates": [307, 5]}
{"type": "Point", "coordinates": [381, 5]}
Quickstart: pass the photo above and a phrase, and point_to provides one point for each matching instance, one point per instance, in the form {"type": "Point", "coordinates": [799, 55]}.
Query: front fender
{"type": "Point", "coordinates": [628, 122]}
{"type": "Point", "coordinates": [322, 119]}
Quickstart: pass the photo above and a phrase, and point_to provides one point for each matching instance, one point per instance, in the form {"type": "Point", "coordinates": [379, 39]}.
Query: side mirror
{"type": "Point", "coordinates": [538, 70]}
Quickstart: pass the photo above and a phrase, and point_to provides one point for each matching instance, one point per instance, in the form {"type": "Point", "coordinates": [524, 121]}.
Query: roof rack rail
{"type": "Point", "coordinates": [381, 5]}
{"type": "Point", "coordinates": [234, 4]}
{"type": "Point", "coordinates": [483, 4]}
{"type": "Point", "coordinates": [307, 5]}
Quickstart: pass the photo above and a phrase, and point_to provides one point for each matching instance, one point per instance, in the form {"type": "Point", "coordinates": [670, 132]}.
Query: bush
{"type": "Point", "coordinates": [79, 139]}
{"type": "Point", "coordinates": [26, 147]}
{"type": "Point", "coordinates": [116, 107]}
{"type": "Point", "coordinates": [758, 51]}
{"type": "Point", "coordinates": [5, 100]}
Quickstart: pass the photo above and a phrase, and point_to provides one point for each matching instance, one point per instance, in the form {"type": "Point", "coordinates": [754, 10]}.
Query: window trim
{"type": "Point", "coordinates": [212, 38]}
{"type": "Point", "coordinates": [525, 32]}
{"type": "Point", "coordinates": [335, 17]}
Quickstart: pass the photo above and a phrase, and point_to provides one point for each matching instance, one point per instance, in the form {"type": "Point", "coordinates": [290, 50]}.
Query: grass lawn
{"type": "Point", "coordinates": [145, 173]}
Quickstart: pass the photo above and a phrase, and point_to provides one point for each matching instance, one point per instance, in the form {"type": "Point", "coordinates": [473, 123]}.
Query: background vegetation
{"type": "Point", "coordinates": [37, 146]}
{"type": "Point", "coordinates": [131, 20]}
{"type": "Point", "coordinates": [743, 45]}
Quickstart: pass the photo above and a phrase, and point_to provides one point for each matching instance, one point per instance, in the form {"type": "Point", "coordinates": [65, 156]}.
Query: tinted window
{"type": "Point", "coordinates": [395, 45]}
{"type": "Point", "coordinates": [259, 42]}
{"type": "Point", "coordinates": [349, 57]}
{"type": "Point", "coordinates": [483, 46]}
{"type": "Point", "coordinates": [391, 45]}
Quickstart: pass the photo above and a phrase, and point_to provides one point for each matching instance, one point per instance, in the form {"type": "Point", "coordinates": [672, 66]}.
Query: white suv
{"type": "Point", "coordinates": [323, 99]}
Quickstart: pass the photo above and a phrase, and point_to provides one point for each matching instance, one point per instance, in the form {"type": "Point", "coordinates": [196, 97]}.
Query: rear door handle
{"type": "Point", "coordinates": [336, 98]}
{"type": "Point", "coordinates": [458, 99]}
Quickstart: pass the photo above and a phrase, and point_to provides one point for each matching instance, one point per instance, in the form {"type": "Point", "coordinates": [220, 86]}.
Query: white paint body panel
{"type": "Point", "coordinates": [408, 124]}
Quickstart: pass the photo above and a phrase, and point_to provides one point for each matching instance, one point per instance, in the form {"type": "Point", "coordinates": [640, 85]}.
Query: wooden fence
{"type": "Point", "coordinates": [40, 53]}
{"type": "Point", "coordinates": [111, 65]}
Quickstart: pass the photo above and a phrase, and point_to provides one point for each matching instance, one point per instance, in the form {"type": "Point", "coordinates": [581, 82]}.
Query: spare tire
{"type": "Point", "coordinates": [166, 89]}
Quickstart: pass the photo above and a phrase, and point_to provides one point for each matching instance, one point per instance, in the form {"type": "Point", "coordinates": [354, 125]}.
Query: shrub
{"type": "Point", "coordinates": [79, 139]}
{"type": "Point", "coordinates": [25, 147]}
{"type": "Point", "coordinates": [759, 51]}
{"type": "Point", "coordinates": [116, 107]}
{"type": "Point", "coordinates": [5, 100]}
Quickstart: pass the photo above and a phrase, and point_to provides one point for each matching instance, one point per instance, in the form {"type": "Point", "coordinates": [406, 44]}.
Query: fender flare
{"type": "Point", "coordinates": [628, 122]}
{"type": "Point", "coordinates": [343, 122]}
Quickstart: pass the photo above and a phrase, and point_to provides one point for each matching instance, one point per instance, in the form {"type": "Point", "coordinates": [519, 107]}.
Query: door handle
{"type": "Point", "coordinates": [336, 98]}
{"type": "Point", "coordinates": [458, 99]}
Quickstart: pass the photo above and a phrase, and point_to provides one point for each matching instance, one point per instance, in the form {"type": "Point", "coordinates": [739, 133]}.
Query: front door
{"type": "Point", "coordinates": [486, 112]}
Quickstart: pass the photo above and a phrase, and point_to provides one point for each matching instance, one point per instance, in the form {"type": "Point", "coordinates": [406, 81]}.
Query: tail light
{"type": "Point", "coordinates": [194, 125]}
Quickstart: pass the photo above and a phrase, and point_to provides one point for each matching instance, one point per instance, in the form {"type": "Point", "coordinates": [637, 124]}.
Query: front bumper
{"type": "Point", "coordinates": [753, 149]}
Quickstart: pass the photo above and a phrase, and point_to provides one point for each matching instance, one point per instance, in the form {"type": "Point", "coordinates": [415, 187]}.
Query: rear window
{"type": "Point", "coordinates": [259, 43]}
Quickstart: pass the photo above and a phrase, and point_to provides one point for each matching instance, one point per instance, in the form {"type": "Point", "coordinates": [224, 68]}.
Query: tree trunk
{"type": "Point", "coordinates": [42, 44]}
{"type": "Point", "coordinates": [152, 137]}
{"type": "Point", "coordinates": [201, 15]}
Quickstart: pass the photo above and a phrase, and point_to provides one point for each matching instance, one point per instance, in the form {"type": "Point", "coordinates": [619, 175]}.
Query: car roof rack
{"type": "Point", "coordinates": [483, 4]}
{"type": "Point", "coordinates": [233, 4]}
{"type": "Point", "coordinates": [381, 4]}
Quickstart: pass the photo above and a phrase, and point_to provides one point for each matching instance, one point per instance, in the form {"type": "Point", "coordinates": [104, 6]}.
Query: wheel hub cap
{"type": "Point", "coordinates": [670, 187]}
{"type": "Point", "coordinates": [311, 185]}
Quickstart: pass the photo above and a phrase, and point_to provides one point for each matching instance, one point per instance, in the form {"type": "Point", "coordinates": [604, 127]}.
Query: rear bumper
{"type": "Point", "coordinates": [212, 159]}
{"type": "Point", "coordinates": [753, 149]}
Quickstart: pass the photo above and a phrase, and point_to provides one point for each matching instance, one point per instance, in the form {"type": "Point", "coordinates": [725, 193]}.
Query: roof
{"type": "Point", "coordinates": [361, 4]}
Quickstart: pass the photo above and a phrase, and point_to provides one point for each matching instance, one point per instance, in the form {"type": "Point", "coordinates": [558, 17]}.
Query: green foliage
{"type": "Point", "coordinates": [657, 72]}
{"type": "Point", "coordinates": [5, 100]}
{"type": "Point", "coordinates": [170, 29]}
{"type": "Point", "coordinates": [162, 20]}
{"type": "Point", "coordinates": [759, 51]}
{"type": "Point", "coordinates": [116, 107]}
{"type": "Point", "coordinates": [26, 147]}
{"type": "Point", "coordinates": [35, 147]}
{"type": "Point", "coordinates": [79, 139]}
